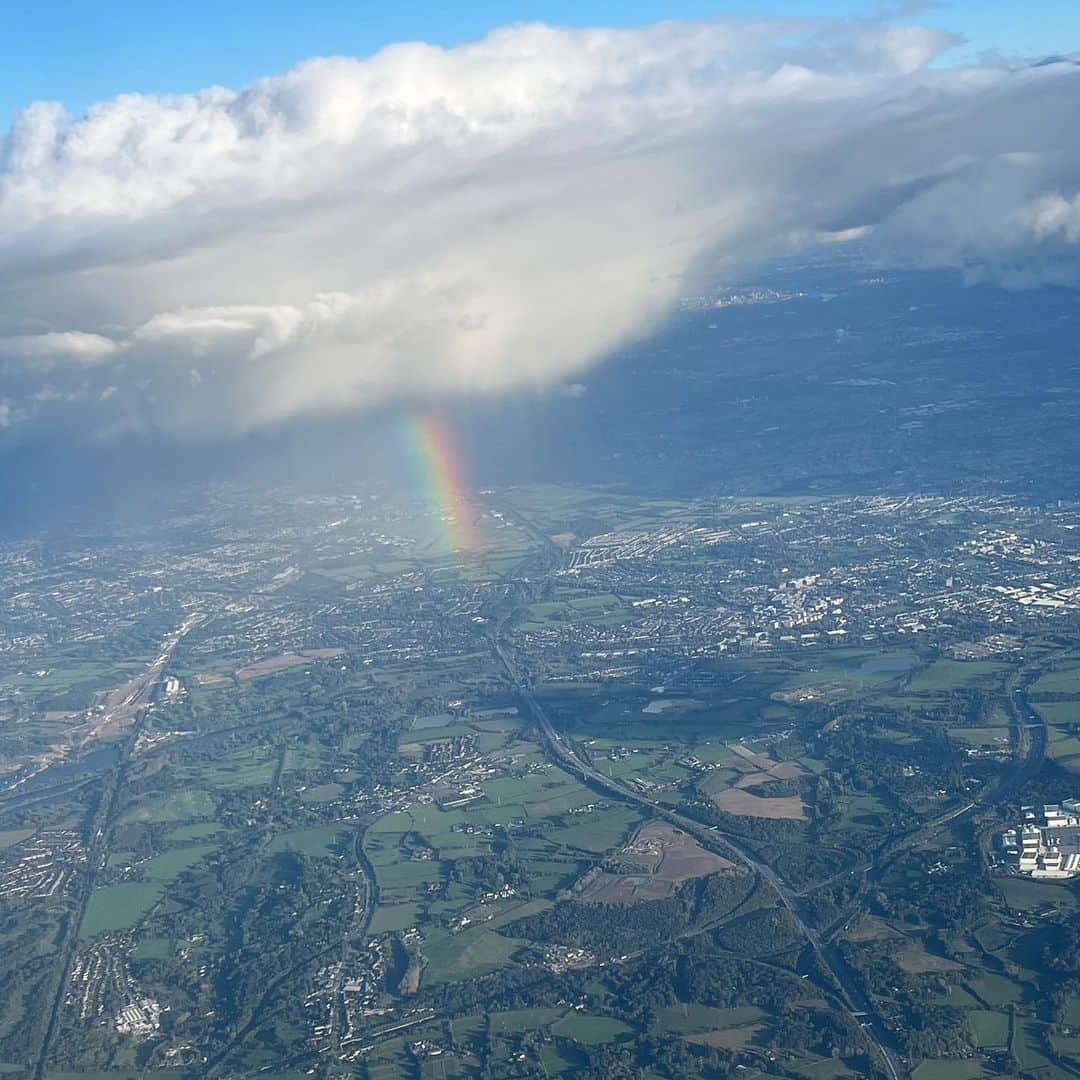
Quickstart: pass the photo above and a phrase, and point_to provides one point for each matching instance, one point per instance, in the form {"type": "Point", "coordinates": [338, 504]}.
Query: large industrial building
{"type": "Point", "coordinates": [1047, 842]}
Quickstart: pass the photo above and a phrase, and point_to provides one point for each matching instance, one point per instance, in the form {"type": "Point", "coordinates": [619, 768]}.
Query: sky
{"type": "Point", "coordinates": [79, 52]}
{"type": "Point", "coordinates": [216, 220]}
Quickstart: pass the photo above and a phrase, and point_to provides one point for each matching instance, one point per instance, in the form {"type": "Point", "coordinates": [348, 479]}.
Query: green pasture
{"type": "Point", "coordinates": [182, 805]}
{"type": "Point", "coordinates": [591, 1030]}
{"type": "Point", "coordinates": [466, 955]}
{"type": "Point", "coordinates": [691, 1018]}
{"type": "Point", "coordinates": [119, 907]}
{"type": "Point", "coordinates": [947, 676]}
{"type": "Point", "coordinates": [948, 1069]}
{"type": "Point", "coordinates": [318, 841]}
{"type": "Point", "coordinates": [989, 1028]}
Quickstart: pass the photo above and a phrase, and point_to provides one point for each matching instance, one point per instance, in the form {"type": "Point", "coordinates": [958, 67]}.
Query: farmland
{"type": "Point", "coordinates": [338, 836]}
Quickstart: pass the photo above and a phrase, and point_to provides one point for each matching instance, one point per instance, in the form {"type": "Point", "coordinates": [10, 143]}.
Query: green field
{"type": "Point", "coordinates": [390, 917]}
{"type": "Point", "coordinates": [465, 955]}
{"type": "Point", "coordinates": [249, 768]}
{"type": "Point", "coordinates": [598, 831]}
{"type": "Point", "coordinates": [514, 1020]}
{"type": "Point", "coordinates": [1059, 712]}
{"type": "Point", "coordinates": [59, 673]}
{"type": "Point", "coordinates": [978, 736]}
{"type": "Point", "coordinates": [996, 989]}
{"type": "Point", "coordinates": [1028, 1046]}
{"type": "Point", "coordinates": [946, 676]}
{"type": "Point", "coordinates": [559, 1060]}
{"type": "Point", "coordinates": [181, 834]}
{"type": "Point", "coordinates": [1026, 895]}
{"type": "Point", "coordinates": [317, 841]}
{"type": "Point", "coordinates": [322, 793]}
{"type": "Point", "coordinates": [691, 1018]}
{"type": "Point", "coordinates": [153, 948]}
{"type": "Point", "coordinates": [958, 997]}
{"type": "Point", "coordinates": [591, 1030]}
{"type": "Point", "coordinates": [172, 863]}
{"type": "Point", "coordinates": [1065, 680]}
{"type": "Point", "coordinates": [118, 907]}
{"type": "Point", "coordinates": [948, 1069]}
{"type": "Point", "coordinates": [175, 806]}
{"type": "Point", "coordinates": [989, 1028]}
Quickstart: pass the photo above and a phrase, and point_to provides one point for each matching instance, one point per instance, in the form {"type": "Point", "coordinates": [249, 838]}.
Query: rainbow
{"type": "Point", "coordinates": [438, 462]}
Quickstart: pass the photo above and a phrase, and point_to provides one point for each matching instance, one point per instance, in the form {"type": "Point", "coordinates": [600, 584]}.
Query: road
{"type": "Point", "coordinates": [136, 698]}
{"type": "Point", "coordinates": [359, 930]}
{"type": "Point", "coordinates": [371, 896]}
{"type": "Point", "coordinates": [859, 1008]}
{"type": "Point", "coordinates": [1031, 741]}
{"type": "Point", "coordinates": [1031, 734]}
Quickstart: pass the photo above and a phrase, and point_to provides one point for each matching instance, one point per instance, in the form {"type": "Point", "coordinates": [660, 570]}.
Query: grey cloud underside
{"type": "Point", "coordinates": [492, 216]}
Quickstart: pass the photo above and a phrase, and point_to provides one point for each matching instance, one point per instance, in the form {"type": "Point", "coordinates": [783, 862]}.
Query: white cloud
{"type": "Point", "coordinates": [1052, 216]}
{"type": "Point", "coordinates": [68, 345]}
{"type": "Point", "coordinates": [502, 213]}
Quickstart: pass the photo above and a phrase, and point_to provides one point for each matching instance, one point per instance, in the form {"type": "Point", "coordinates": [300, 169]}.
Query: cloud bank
{"type": "Point", "coordinates": [494, 215]}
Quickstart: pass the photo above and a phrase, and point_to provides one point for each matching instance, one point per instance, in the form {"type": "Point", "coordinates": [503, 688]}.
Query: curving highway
{"type": "Point", "coordinates": [859, 1008]}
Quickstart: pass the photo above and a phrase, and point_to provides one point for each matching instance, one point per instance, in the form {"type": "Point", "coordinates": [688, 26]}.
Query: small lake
{"type": "Point", "coordinates": [75, 767]}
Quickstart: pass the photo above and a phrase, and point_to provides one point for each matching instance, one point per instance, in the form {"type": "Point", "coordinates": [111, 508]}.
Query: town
{"type": "Point", "coordinates": [309, 792]}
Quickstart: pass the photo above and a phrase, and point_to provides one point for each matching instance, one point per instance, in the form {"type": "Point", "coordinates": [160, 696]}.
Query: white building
{"type": "Point", "coordinates": [1047, 843]}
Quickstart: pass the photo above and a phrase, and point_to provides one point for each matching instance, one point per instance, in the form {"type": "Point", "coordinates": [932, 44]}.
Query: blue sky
{"type": "Point", "coordinates": [81, 51]}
